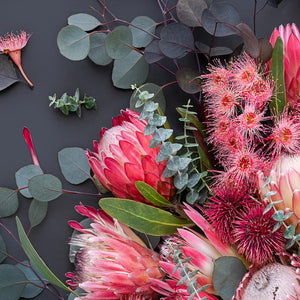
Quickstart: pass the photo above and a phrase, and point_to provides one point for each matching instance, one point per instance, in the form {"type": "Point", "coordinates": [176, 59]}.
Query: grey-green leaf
{"type": "Point", "coordinates": [9, 202]}
{"type": "Point", "coordinates": [23, 175]}
{"type": "Point", "coordinates": [141, 38]}
{"type": "Point", "coordinates": [74, 164]}
{"type": "Point", "coordinates": [85, 22]}
{"type": "Point", "coordinates": [37, 212]}
{"type": "Point", "coordinates": [73, 43]}
{"type": "Point", "coordinates": [132, 69]}
{"type": "Point", "coordinates": [227, 275]}
{"type": "Point", "coordinates": [97, 52]}
{"type": "Point", "coordinates": [118, 42]}
{"type": "Point", "coordinates": [45, 187]}
{"type": "Point", "coordinates": [12, 282]}
{"type": "Point", "coordinates": [2, 249]}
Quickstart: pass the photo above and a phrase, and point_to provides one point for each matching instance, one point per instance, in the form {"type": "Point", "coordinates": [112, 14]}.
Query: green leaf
{"type": "Point", "coordinates": [178, 163]}
{"type": "Point", "coordinates": [73, 43]}
{"type": "Point", "coordinates": [192, 196]}
{"type": "Point", "coordinates": [277, 72]}
{"type": "Point", "coordinates": [151, 88]}
{"type": "Point", "coordinates": [289, 232]}
{"type": "Point", "coordinates": [278, 215]}
{"type": "Point", "coordinates": [162, 134]}
{"type": "Point", "coordinates": [188, 80]}
{"type": "Point", "coordinates": [37, 212]}
{"type": "Point", "coordinates": [2, 250]}
{"type": "Point", "coordinates": [142, 38]}
{"type": "Point", "coordinates": [23, 175]}
{"type": "Point", "coordinates": [132, 69]}
{"type": "Point", "coordinates": [152, 195]}
{"type": "Point", "coordinates": [30, 290]}
{"type": "Point", "coordinates": [97, 49]}
{"type": "Point", "coordinates": [181, 180]}
{"type": "Point", "coordinates": [35, 258]}
{"type": "Point", "coordinates": [169, 148]}
{"type": "Point", "coordinates": [227, 274]}
{"type": "Point", "coordinates": [8, 75]}
{"type": "Point", "coordinates": [142, 217]}
{"type": "Point", "coordinates": [45, 187]}
{"type": "Point", "coordinates": [9, 202]}
{"type": "Point", "coordinates": [12, 282]}
{"type": "Point", "coordinates": [118, 42]}
{"type": "Point", "coordinates": [85, 22]}
{"type": "Point", "coordinates": [78, 292]}
{"type": "Point", "coordinates": [74, 165]}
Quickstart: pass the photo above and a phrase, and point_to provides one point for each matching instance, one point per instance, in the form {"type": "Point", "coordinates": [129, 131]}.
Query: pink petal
{"type": "Point", "coordinates": [28, 139]}
{"type": "Point", "coordinates": [296, 203]}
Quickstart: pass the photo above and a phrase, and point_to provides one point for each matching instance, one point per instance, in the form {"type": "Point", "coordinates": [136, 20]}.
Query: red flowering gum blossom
{"type": "Point", "coordinates": [123, 156]}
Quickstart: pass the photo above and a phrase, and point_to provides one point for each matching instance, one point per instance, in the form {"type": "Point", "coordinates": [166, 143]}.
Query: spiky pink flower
{"type": "Point", "coordinates": [123, 156]}
{"type": "Point", "coordinates": [291, 42]}
{"type": "Point", "coordinates": [12, 44]}
{"type": "Point", "coordinates": [225, 205]}
{"type": "Point", "coordinates": [112, 262]}
{"type": "Point", "coordinates": [254, 236]}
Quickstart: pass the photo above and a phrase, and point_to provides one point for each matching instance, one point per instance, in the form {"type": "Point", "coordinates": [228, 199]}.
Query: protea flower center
{"type": "Point", "coordinates": [274, 281]}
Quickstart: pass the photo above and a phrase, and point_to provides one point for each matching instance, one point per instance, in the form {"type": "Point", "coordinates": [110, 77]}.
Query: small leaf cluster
{"type": "Point", "coordinates": [188, 277]}
{"type": "Point", "coordinates": [68, 104]}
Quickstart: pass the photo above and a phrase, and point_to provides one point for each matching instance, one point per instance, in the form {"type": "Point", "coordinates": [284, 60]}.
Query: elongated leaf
{"type": "Point", "coordinates": [277, 72]}
{"type": "Point", "coordinates": [36, 260]}
{"type": "Point", "coordinates": [37, 212]}
{"type": "Point", "coordinates": [23, 175]}
{"type": "Point", "coordinates": [142, 217]}
{"type": "Point", "coordinates": [142, 38]}
{"type": "Point", "coordinates": [132, 69]}
{"type": "Point", "coordinates": [74, 164]}
{"type": "Point", "coordinates": [227, 275]}
{"type": "Point", "coordinates": [84, 21]}
{"type": "Point", "coordinates": [118, 42]}
{"type": "Point", "coordinates": [152, 195]}
{"type": "Point", "coordinates": [97, 52]}
{"type": "Point", "coordinates": [9, 202]}
{"type": "Point", "coordinates": [45, 187]}
{"type": "Point", "coordinates": [12, 282]}
{"type": "Point", "coordinates": [8, 75]}
{"type": "Point", "coordinates": [2, 249]}
{"type": "Point", "coordinates": [73, 42]}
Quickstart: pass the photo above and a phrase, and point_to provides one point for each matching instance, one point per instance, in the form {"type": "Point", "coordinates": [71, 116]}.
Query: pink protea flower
{"type": "Point", "coordinates": [204, 250]}
{"type": "Point", "coordinates": [254, 236]}
{"type": "Point", "coordinates": [112, 261]}
{"type": "Point", "coordinates": [291, 41]}
{"type": "Point", "coordinates": [225, 205]}
{"type": "Point", "coordinates": [123, 156]}
{"type": "Point", "coordinates": [12, 44]}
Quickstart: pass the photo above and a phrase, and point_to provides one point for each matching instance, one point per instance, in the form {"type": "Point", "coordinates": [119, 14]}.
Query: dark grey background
{"type": "Point", "coordinates": [52, 131]}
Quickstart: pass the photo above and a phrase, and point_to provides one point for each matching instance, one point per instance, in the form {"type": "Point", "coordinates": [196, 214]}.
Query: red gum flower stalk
{"type": "Point", "coordinates": [224, 207]}
{"type": "Point", "coordinates": [12, 45]}
{"type": "Point", "coordinates": [254, 236]}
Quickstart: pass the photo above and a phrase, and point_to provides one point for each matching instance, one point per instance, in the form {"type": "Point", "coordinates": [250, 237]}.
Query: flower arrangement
{"type": "Point", "coordinates": [211, 214]}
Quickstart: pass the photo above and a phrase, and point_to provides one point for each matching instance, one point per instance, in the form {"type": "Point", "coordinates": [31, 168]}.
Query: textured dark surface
{"type": "Point", "coordinates": [51, 131]}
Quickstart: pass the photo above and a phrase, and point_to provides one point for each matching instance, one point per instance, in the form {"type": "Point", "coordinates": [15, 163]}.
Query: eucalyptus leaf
{"type": "Point", "coordinates": [142, 217]}
{"type": "Point", "coordinates": [188, 80]}
{"type": "Point", "coordinates": [37, 212]}
{"type": "Point", "coordinates": [78, 291]}
{"type": "Point", "coordinates": [36, 260]}
{"type": "Point", "coordinates": [153, 53]}
{"type": "Point", "coordinates": [251, 42]}
{"type": "Point", "coordinates": [277, 72]}
{"type": "Point", "coordinates": [45, 187]}
{"type": "Point", "coordinates": [151, 194]}
{"type": "Point", "coordinates": [97, 52]}
{"type": "Point", "coordinates": [74, 164]}
{"type": "Point", "coordinates": [73, 43]}
{"type": "Point", "coordinates": [212, 51]}
{"type": "Point", "coordinates": [142, 38]}
{"type": "Point", "coordinates": [85, 22]}
{"type": "Point", "coordinates": [274, 3]}
{"type": "Point", "coordinates": [132, 69]}
{"type": "Point", "coordinates": [220, 19]}
{"type": "Point", "coordinates": [227, 275]}
{"type": "Point", "coordinates": [181, 180]}
{"type": "Point", "coordinates": [23, 175]}
{"type": "Point", "coordinates": [178, 163]}
{"type": "Point", "coordinates": [151, 88]}
{"type": "Point", "coordinates": [2, 250]}
{"type": "Point", "coordinates": [118, 42]}
{"type": "Point", "coordinates": [9, 202]}
{"type": "Point", "coordinates": [189, 12]}
{"type": "Point", "coordinates": [176, 40]}
{"type": "Point", "coordinates": [30, 290]}
{"type": "Point", "coordinates": [8, 75]}
{"type": "Point", "coordinates": [12, 282]}
{"type": "Point", "coordinates": [162, 134]}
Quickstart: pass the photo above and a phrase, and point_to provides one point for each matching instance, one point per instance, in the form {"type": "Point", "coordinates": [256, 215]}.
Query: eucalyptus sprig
{"type": "Point", "coordinates": [69, 104]}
